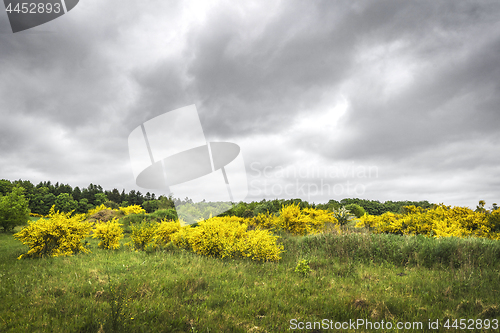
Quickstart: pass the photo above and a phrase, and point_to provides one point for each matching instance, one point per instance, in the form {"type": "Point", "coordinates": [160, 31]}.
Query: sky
{"type": "Point", "coordinates": [380, 100]}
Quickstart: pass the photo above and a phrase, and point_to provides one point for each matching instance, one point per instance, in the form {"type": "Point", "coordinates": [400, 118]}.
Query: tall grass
{"type": "Point", "coordinates": [402, 251]}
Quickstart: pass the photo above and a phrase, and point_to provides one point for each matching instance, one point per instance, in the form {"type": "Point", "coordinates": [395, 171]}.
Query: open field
{"type": "Point", "coordinates": [356, 275]}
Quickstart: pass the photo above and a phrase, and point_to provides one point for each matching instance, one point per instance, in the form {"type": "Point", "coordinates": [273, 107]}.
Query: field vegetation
{"type": "Point", "coordinates": [260, 267]}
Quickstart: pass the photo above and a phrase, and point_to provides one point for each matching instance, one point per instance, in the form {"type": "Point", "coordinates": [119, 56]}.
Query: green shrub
{"type": "Point", "coordinates": [356, 210]}
{"type": "Point", "coordinates": [164, 214]}
{"type": "Point", "coordinates": [150, 205]}
{"type": "Point", "coordinates": [133, 219]}
{"type": "Point", "coordinates": [111, 204]}
{"type": "Point", "coordinates": [14, 209]}
{"type": "Point", "coordinates": [303, 267]}
{"type": "Point", "coordinates": [65, 203]}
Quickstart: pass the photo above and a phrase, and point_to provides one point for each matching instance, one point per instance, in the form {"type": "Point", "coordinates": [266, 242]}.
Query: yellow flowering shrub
{"type": "Point", "coordinates": [303, 222]}
{"type": "Point", "coordinates": [448, 228]}
{"type": "Point", "coordinates": [292, 220]}
{"type": "Point", "coordinates": [57, 235]}
{"type": "Point", "coordinates": [393, 224]}
{"type": "Point", "coordinates": [417, 221]}
{"type": "Point", "coordinates": [263, 220]}
{"type": "Point", "coordinates": [142, 234]}
{"type": "Point", "coordinates": [439, 221]}
{"type": "Point", "coordinates": [369, 221]}
{"type": "Point", "coordinates": [165, 230]}
{"type": "Point", "coordinates": [260, 244]}
{"type": "Point", "coordinates": [319, 217]}
{"type": "Point", "coordinates": [217, 237]}
{"type": "Point", "coordinates": [109, 233]}
{"type": "Point", "coordinates": [494, 224]}
{"type": "Point", "coordinates": [134, 209]}
{"type": "Point", "coordinates": [295, 220]}
{"type": "Point", "coordinates": [181, 237]}
{"type": "Point", "coordinates": [228, 237]}
{"type": "Point", "coordinates": [97, 209]}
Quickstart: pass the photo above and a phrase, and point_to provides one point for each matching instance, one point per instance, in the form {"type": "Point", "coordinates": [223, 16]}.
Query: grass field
{"type": "Point", "coordinates": [356, 275]}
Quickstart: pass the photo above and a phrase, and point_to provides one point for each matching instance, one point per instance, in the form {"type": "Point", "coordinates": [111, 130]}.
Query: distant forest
{"type": "Point", "coordinates": [66, 198]}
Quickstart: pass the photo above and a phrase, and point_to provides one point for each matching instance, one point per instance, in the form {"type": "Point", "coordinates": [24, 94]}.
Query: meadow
{"type": "Point", "coordinates": [325, 278]}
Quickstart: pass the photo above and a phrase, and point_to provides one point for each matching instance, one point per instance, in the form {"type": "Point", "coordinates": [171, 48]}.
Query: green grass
{"type": "Point", "coordinates": [353, 276]}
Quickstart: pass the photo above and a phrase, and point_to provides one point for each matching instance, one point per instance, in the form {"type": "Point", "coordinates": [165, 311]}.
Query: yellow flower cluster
{"type": "Point", "coordinates": [181, 237]}
{"type": "Point", "coordinates": [215, 237]}
{"type": "Point", "coordinates": [296, 221]}
{"type": "Point", "coordinates": [109, 233]}
{"type": "Point", "coordinates": [97, 209]}
{"type": "Point", "coordinates": [218, 236]}
{"type": "Point", "coordinates": [228, 237]}
{"type": "Point", "coordinates": [440, 221]}
{"type": "Point", "coordinates": [165, 231]}
{"type": "Point", "coordinates": [58, 235]}
{"type": "Point", "coordinates": [134, 209]}
{"type": "Point", "coordinates": [142, 234]}
{"type": "Point", "coordinates": [260, 244]}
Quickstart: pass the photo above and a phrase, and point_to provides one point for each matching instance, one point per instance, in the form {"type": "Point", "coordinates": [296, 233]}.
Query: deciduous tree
{"type": "Point", "coordinates": [14, 209]}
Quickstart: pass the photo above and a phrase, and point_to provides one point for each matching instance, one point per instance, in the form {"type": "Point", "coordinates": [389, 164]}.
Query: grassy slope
{"type": "Point", "coordinates": [353, 276]}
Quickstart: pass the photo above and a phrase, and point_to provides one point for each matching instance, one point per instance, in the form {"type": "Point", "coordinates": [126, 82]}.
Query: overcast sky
{"type": "Point", "coordinates": [382, 100]}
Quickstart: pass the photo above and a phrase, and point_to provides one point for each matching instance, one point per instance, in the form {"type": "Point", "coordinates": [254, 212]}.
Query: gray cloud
{"type": "Point", "coordinates": [419, 83]}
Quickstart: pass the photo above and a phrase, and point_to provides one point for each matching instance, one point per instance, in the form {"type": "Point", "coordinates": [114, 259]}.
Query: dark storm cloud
{"type": "Point", "coordinates": [55, 89]}
{"type": "Point", "coordinates": [249, 75]}
{"type": "Point", "coordinates": [452, 94]}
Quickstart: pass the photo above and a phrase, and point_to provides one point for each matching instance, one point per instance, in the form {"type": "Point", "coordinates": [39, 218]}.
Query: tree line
{"type": "Point", "coordinates": [44, 195]}
{"type": "Point", "coordinates": [356, 206]}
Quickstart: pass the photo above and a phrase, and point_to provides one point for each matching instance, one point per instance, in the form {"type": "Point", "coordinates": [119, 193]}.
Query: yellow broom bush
{"type": "Point", "coordinates": [319, 218]}
{"type": "Point", "coordinates": [295, 220]}
{"type": "Point", "coordinates": [109, 233]}
{"type": "Point", "coordinates": [58, 235]}
{"type": "Point", "coordinates": [134, 209]}
{"type": "Point", "coordinates": [439, 221]}
{"type": "Point", "coordinates": [292, 220]}
{"type": "Point", "coordinates": [303, 222]}
{"type": "Point", "coordinates": [143, 234]}
{"type": "Point", "coordinates": [217, 237]}
{"type": "Point", "coordinates": [259, 244]}
{"type": "Point", "coordinates": [228, 237]}
{"type": "Point", "coordinates": [165, 230]}
{"type": "Point", "coordinates": [181, 237]}
{"type": "Point", "coordinates": [97, 209]}
{"type": "Point", "coordinates": [494, 221]}
{"type": "Point", "coordinates": [264, 221]}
